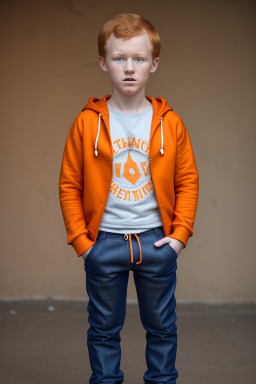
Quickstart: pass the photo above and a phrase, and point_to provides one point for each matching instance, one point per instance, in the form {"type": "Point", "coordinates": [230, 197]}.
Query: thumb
{"type": "Point", "coordinates": [160, 242]}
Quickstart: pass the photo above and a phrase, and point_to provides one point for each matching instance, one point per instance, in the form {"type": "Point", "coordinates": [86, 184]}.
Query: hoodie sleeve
{"type": "Point", "coordinates": [71, 190]}
{"type": "Point", "coordinates": [186, 184]}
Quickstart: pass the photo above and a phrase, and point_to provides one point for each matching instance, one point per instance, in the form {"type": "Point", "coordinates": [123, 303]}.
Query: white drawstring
{"type": "Point", "coordinates": [98, 132]}
{"type": "Point", "coordinates": [162, 138]}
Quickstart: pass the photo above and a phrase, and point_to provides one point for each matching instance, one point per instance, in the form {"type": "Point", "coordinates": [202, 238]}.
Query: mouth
{"type": "Point", "coordinates": [129, 79]}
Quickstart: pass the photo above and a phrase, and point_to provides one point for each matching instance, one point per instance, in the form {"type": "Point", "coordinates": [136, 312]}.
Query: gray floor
{"type": "Point", "coordinates": [216, 343]}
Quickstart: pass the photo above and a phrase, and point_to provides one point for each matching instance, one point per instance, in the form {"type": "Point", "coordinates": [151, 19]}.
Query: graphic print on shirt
{"type": "Point", "coordinates": [131, 174]}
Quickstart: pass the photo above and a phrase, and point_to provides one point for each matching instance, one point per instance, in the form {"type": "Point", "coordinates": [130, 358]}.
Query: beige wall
{"type": "Point", "coordinates": [49, 69]}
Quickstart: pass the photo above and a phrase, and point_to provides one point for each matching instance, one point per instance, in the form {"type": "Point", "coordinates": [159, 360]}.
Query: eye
{"type": "Point", "coordinates": [118, 59]}
{"type": "Point", "coordinates": [139, 59]}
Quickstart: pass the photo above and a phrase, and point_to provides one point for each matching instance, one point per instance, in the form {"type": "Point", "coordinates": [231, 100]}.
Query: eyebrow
{"type": "Point", "coordinates": [124, 53]}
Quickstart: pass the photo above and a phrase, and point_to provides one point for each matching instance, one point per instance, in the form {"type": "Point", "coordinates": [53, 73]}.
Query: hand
{"type": "Point", "coordinates": [176, 244]}
{"type": "Point", "coordinates": [86, 252]}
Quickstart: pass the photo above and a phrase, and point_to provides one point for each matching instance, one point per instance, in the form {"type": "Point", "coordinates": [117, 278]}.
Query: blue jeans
{"type": "Point", "coordinates": [107, 269]}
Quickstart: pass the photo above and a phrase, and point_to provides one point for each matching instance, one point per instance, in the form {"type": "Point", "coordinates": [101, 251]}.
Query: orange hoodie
{"type": "Point", "coordinates": [86, 172]}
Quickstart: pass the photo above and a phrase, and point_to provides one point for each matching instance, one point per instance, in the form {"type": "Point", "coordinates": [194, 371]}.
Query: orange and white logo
{"type": "Point", "coordinates": [131, 174]}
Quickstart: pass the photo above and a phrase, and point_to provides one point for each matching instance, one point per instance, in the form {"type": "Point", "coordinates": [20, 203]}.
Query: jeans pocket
{"type": "Point", "coordinates": [92, 251]}
{"type": "Point", "coordinates": [160, 231]}
{"type": "Point", "coordinates": [173, 250]}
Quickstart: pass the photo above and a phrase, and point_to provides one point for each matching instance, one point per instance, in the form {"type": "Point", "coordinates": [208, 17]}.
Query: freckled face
{"type": "Point", "coordinates": [129, 63]}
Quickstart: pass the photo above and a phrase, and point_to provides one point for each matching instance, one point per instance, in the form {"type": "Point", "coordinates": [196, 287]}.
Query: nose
{"type": "Point", "coordinates": [129, 66]}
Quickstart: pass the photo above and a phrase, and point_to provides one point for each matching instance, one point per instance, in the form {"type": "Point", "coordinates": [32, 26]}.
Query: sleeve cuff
{"type": "Point", "coordinates": [81, 244]}
{"type": "Point", "coordinates": [180, 233]}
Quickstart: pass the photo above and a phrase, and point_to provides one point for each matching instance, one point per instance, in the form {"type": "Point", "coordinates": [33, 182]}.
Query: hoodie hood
{"type": "Point", "coordinates": [159, 104]}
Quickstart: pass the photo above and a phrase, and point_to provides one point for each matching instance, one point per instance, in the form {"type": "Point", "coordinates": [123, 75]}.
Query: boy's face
{"type": "Point", "coordinates": [130, 58]}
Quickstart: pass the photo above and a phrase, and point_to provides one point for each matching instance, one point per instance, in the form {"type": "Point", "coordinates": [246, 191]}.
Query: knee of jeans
{"type": "Point", "coordinates": [109, 322]}
{"type": "Point", "coordinates": [162, 331]}
{"type": "Point", "coordinates": [158, 322]}
{"type": "Point", "coordinates": [107, 329]}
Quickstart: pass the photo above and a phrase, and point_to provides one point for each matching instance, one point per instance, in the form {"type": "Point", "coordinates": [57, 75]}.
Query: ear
{"type": "Point", "coordinates": [155, 64]}
{"type": "Point", "coordinates": [102, 63]}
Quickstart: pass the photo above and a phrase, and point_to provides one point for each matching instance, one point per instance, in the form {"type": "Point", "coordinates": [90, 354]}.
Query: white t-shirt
{"type": "Point", "coordinates": [132, 206]}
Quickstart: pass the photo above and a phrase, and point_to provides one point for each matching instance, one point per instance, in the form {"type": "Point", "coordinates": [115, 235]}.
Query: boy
{"type": "Point", "coordinates": [128, 193]}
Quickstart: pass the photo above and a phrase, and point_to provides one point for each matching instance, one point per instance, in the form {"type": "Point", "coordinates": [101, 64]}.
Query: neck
{"type": "Point", "coordinates": [128, 104]}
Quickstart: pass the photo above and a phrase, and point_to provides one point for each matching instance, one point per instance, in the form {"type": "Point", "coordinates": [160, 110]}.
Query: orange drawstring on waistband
{"type": "Point", "coordinates": [130, 241]}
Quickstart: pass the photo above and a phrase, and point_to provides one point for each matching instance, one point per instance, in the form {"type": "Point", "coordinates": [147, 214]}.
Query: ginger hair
{"type": "Point", "coordinates": [127, 25]}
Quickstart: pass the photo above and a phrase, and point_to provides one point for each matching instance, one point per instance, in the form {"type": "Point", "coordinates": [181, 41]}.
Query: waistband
{"type": "Point", "coordinates": [128, 236]}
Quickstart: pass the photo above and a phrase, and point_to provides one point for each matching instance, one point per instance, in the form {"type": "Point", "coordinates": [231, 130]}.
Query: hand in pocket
{"type": "Point", "coordinates": [87, 252]}
{"type": "Point", "coordinates": [176, 244]}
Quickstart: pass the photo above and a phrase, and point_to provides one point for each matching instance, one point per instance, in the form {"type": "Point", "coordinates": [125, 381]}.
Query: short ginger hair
{"type": "Point", "coordinates": [127, 25]}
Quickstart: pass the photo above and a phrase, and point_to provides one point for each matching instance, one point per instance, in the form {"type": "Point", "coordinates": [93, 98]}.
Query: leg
{"type": "Point", "coordinates": [155, 281]}
{"type": "Point", "coordinates": [106, 284]}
